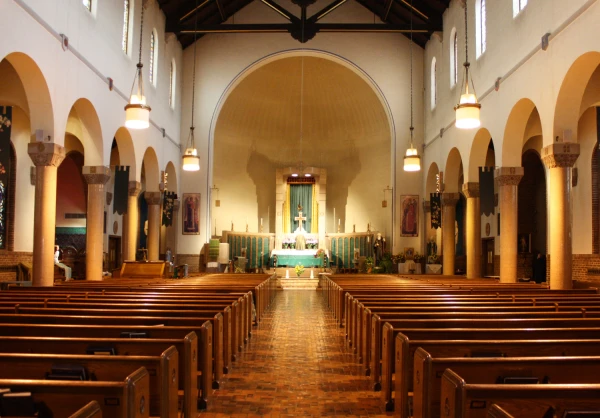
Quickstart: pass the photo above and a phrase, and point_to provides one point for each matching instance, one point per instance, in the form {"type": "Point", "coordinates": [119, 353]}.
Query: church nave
{"type": "Point", "coordinates": [295, 364]}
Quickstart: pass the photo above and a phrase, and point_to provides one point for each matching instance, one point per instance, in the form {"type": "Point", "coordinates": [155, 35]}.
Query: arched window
{"type": "Point", "coordinates": [480, 27]}
{"type": "Point", "coordinates": [518, 6]}
{"type": "Point", "coordinates": [88, 5]}
{"type": "Point", "coordinates": [172, 81]}
{"type": "Point", "coordinates": [125, 40]}
{"type": "Point", "coordinates": [433, 83]}
{"type": "Point", "coordinates": [453, 58]}
{"type": "Point", "coordinates": [153, 57]}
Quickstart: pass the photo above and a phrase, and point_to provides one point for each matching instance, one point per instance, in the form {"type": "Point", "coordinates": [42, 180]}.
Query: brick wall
{"type": "Point", "coordinates": [581, 264]}
{"type": "Point", "coordinates": [12, 258]}
{"type": "Point", "coordinates": [192, 260]}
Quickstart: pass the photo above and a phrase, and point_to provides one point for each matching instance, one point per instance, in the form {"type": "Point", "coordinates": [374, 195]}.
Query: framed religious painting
{"type": "Point", "coordinates": [409, 212]}
{"type": "Point", "coordinates": [190, 214]}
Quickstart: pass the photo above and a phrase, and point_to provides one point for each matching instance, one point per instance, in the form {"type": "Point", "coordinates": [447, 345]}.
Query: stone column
{"type": "Point", "coordinates": [130, 222]}
{"type": "Point", "coordinates": [507, 179]}
{"type": "Point", "coordinates": [173, 229]}
{"type": "Point", "coordinates": [46, 157]}
{"type": "Point", "coordinates": [153, 199]}
{"type": "Point", "coordinates": [96, 177]}
{"type": "Point", "coordinates": [560, 158]}
{"type": "Point", "coordinates": [473, 224]}
{"type": "Point", "coordinates": [448, 231]}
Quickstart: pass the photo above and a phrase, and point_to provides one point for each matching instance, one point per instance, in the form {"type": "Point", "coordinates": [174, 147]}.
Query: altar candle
{"type": "Point", "coordinates": [339, 221]}
{"type": "Point", "coordinates": [261, 222]}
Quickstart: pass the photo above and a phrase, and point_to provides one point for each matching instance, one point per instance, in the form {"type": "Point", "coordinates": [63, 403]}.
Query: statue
{"type": "Point", "coordinates": [432, 251]}
{"type": "Point", "coordinates": [378, 248]}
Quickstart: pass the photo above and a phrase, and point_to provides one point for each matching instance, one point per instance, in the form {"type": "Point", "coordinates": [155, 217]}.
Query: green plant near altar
{"type": "Point", "coordinates": [299, 269]}
{"type": "Point", "coordinates": [387, 262]}
{"type": "Point", "coordinates": [369, 262]}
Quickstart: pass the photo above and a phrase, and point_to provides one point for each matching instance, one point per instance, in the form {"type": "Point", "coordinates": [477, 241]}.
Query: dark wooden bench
{"type": "Point", "coordinates": [460, 399]}
{"type": "Point", "coordinates": [127, 398]}
{"type": "Point", "coordinates": [162, 370]}
{"type": "Point", "coordinates": [142, 269]}
{"type": "Point", "coordinates": [428, 370]}
{"type": "Point", "coordinates": [189, 377]}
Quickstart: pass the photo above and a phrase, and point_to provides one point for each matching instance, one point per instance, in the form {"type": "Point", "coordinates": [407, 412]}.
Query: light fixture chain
{"type": "Point", "coordinates": [301, 107]}
{"type": "Point", "coordinates": [141, 32]}
{"type": "Point", "coordinates": [194, 71]}
{"type": "Point", "coordinates": [411, 74]}
{"type": "Point", "coordinates": [466, 36]}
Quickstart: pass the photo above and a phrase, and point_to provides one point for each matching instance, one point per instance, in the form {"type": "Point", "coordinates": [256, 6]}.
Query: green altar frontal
{"type": "Point", "coordinates": [291, 260]}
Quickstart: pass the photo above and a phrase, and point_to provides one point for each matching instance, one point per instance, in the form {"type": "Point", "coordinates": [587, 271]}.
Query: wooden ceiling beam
{"type": "Point", "coordinates": [277, 8]}
{"type": "Point", "coordinates": [319, 27]}
{"type": "Point", "coordinates": [221, 11]}
{"type": "Point", "coordinates": [326, 10]}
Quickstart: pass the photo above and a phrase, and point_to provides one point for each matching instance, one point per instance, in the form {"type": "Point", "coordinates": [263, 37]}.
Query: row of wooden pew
{"type": "Point", "coordinates": [137, 347]}
{"type": "Point", "coordinates": [453, 347]}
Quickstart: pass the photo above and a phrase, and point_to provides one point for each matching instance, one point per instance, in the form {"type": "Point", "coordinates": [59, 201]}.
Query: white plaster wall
{"type": "Point", "coordinates": [31, 26]}
{"type": "Point", "coordinates": [382, 58]}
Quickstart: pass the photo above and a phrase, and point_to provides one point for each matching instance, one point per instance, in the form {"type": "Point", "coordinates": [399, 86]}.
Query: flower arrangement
{"type": "Point", "coordinates": [418, 257]}
{"type": "Point", "coordinates": [299, 269]}
{"type": "Point", "coordinates": [320, 253]}
{"type": "Point", "coordinates": [288, 242]}
{"type": "Point", "coordinates": [399, 258]}
{"type": "Point", "coordinates": [311, 243]}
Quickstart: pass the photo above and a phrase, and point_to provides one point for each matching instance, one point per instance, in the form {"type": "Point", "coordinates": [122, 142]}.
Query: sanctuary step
{"type": "Point", "coordinates": [297, 283]}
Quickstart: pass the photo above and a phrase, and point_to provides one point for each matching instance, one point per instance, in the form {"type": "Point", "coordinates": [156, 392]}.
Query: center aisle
{"type": "Point", "coordinates": [296, 365]}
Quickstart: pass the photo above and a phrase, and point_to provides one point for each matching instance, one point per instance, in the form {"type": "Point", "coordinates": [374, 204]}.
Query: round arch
{"type": "Point", "coordinates": [152, 173]}
{"type": "Point", "coordinates": [40, 110]}
{"type": "Point", "coordinates": [478, 156]}
{"type": "Point", "coordinates": [83, 123]}
{"type": "Point", "coordinates": [431, 183]}
{"type": "Point", "coordinates": [171, 177]}
{"type": "Point", "coordinates": [514, 132]}
{"type": "Point", "coordinates": [126, 151]}
{"type": "Point", "coordinates": [453, 172]}
{"type": "Point", "coordinates": [570, 95]}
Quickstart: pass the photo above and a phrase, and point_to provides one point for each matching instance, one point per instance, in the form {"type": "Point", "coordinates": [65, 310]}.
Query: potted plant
{"type": "Point", "coordinates": [387, 262]}
{"type": "Point", "coordinates": [321, 254]}
{"type": "Point", "coordinates": [299, 269]}
{"type": "Point", "coordinates": [369, 264]}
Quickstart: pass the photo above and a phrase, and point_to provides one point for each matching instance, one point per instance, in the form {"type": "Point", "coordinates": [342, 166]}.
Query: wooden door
{"type": "Point", "coordinates": [114, 253]}
{"type": "Point", "coordinates": [487, 258]}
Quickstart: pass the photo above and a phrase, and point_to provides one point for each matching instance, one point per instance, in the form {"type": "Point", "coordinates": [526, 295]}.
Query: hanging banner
{"type": "Point", "coordinates": [435, 203]}
{"type": "Point", "coordinates": [121, 190]}
{"type": "Point", "coordinates": [5, 130]}
{"type": "Point", "coordinates": [168, 203]}
{"type": "Point", "coordinates": [486, 190]}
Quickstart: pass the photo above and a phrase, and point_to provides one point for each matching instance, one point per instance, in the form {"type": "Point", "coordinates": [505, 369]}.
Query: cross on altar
{"type": "Point", "coordinates": [300, 218]}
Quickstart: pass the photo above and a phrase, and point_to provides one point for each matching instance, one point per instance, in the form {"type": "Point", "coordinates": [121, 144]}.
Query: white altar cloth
{"type": "Point", "coordinates": [293, 252]}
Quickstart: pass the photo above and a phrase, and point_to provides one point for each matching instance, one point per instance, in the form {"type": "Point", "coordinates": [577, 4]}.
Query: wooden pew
{"type": "Point", "coordinates": [428, 372]}
{"type": "Point", "coordinates": [162, 370]}
{"type": "Point", "coordinates": [187, 348]}
{"type": "Point", "coordinates": [119, 399]}
{"type": "Point", "coordinates": [382, 345]}
{"type": "Point", "coordinates": [497, 412]}
{"type": "Point", "coordinates": [90, 410]}
{"type": "Point", "coordinates": [461, 399]}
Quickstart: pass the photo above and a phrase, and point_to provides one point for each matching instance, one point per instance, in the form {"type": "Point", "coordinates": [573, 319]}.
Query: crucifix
{"type": "Point", "coordinates": [300, 218]}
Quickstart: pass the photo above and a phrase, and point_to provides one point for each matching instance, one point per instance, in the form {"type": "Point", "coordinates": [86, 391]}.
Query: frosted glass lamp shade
{"type": "Point", "coordinates": [467, 112]}
{"type": "Point", "coordinates": [191, 161]}
{"type": "Point", "coordinates": [412, 161]}
{"type": "Point", "coordinates": [137, 113]}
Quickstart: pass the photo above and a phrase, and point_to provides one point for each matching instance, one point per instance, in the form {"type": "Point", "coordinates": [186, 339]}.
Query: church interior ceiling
{"type": "Point", "coordinates": [302, 19]}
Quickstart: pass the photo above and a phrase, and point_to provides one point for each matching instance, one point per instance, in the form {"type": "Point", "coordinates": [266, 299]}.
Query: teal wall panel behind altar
{"type": "Point", "coordinates": [342, 247]}
{"type": "Point", "coordinates": [258, 247]}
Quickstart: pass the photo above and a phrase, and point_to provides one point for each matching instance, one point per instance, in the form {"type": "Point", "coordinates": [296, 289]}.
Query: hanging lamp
{"type": "Point", "coordinates": [467, 109]}
{"type": "Point", "coordinates": [191, 160]}
{"type": "Point", "coordinates": [137, 112]}
{"type": "Point", "coordinates": [412, 160]}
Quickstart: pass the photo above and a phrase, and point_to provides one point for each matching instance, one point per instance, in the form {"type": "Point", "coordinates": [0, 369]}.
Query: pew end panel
{"type": "Point", "coordinates": [203, 358]}
{"type": "Point", "coordinates": [218, 350]}
{"type": "Point", "coordinates": [453, 391]}
{"type": "Point", "coordinates": [402, 361]}
{"type": "Point", "coordinates": [387, 362]}
{"type": "Point", "coordinates": [138, 393]}
{"type": "Point", "coordinates": [169, 378]}
{"type": "Point", "coordinates": [376, 352]}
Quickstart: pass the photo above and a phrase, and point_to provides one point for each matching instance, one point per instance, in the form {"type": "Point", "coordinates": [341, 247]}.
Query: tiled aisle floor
{"type": "Point", "coordinates": [295, 364]}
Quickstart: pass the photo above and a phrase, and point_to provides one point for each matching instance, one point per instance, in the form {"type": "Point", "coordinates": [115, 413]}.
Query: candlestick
{"type": "Point", "coordinates": [260, 221]}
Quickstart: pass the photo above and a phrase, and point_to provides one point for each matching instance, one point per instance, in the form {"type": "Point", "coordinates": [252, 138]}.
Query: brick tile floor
{"type": "Point", "coordinates": [296, 364]}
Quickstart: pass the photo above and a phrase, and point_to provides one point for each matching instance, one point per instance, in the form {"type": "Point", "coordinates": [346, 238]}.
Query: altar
{"type": "Point", "coordinates": [291, 258]}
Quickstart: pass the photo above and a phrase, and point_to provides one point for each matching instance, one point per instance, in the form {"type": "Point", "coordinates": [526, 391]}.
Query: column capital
{"type": "Point", "coordinates": [450, 199]}
{"type": "Point", "coordinates": [426, 206]}
{"type": "Point", "coordinates": [560, 154]}
{"type": "Point", "coordinates": [96, 174]}
{"type": "Point", "coordinates": [153, 198]}
{"type": "Point", "coordinates": [135, 187]}
{"type": "Point", "coordinates": [46, 154]}
{"type": "Point", "coordinates": [176, 203]}
{"type": "Point", "coordinates": [508, 176]}
{"type": "Point", "coordinates": [470, 190]}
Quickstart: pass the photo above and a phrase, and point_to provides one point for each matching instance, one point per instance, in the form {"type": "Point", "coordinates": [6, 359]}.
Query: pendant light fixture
{"type": "Point", "coordinates": [137, 112]}
{"type": "Point", "coordinates": [190, 159]}
{"type": "Point", "coordinates": [467, 109]}
{"type": "Point", "coordinates": [412, 160]}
